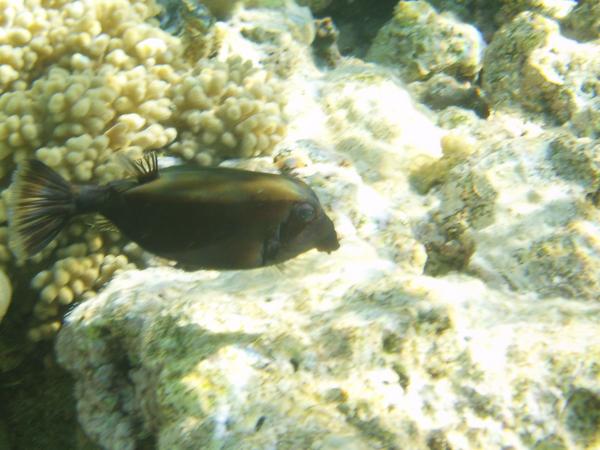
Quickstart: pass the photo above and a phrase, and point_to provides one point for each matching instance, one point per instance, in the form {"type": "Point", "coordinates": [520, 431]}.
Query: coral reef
{"type": "Point", "coordinates": [84, 82]}
{"type": "Point", "coordinates": [358, 21]}
{"type": "Point", "coordinates": [230, 109]}
{"type": "Point", "coordinates": [419, 43]}
{"type": "Point", "coordinates": [461, 310]}
{"type": "Point", "coordinates": [365, 107]}
{"type": "Point", "coordinates": [576, 159]}
{"type": "Point", "coordinates": [442, 91]}
{"type": "Point", "coordinates": [204, 359]}
{"type": "Point", "coordinates": [566, 263]}
{"type": "Point", "coordinates": [315, 5]}
{"type": "Point", "coordinates": [583, 23]}
{"type": "Point", "coordinates": [490, 15]}
{"type": "Point", "coordinates": [279, 41]}
{"type": "Point", "coordinates": [325, 43]}
{"type": "Point", "coordinates": [554, 9]}
{"type": "Point", "coordinates": [468, 260]}
{"type": "Point", "coordinates": [5, 294]}
{"type": "Point", "coordinates": [529, 64]}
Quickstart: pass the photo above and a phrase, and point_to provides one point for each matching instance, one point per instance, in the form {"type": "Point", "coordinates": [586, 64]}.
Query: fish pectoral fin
{"type": "Point", "coordinates": [271, 247]}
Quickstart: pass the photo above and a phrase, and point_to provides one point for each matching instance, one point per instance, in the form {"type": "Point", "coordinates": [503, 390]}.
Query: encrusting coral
{"type": "Point", "coordinates": [87, 81]}
{"type": "Point", "coordinates": [530, 64]}
{"type": "Point", "coordinates": [584, 20]}
{"type": "Point", "coordinates": [419, 42]}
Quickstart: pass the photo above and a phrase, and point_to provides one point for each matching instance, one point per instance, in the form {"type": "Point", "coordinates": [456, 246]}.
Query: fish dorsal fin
{"type": "Point", "coordinates": [146, 168]}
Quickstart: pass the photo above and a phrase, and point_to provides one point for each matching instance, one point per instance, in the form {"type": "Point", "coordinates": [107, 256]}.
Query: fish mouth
{"type": "Point", "coordinates": [329, 249]}
{"type": "Point", "coordinates": [329, 241]}
{"type": "Point", "coordinates": [329, 245]}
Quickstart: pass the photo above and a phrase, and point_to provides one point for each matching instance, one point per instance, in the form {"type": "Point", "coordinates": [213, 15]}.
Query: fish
{"type": "Point", "coordinates": [200, 217]}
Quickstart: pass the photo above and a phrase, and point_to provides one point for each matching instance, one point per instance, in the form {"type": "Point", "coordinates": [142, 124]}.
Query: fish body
{"type": "Point", "coordinates": [211, 218]}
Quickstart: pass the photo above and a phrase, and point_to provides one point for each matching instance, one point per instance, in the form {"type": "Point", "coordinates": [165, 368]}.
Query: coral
{"type": "Point", "coordinates": [508, 52]}
{"type": "Point", "coordinates": [91, 64]}
{"type": "Point", "coordinates": [315, 5]}
{"type": "Point", "coordinates": [280, 40]}
{"type": "Point", "coordinates": [449, 244]}
{"type": "Point", "coordinates": [419, 42]}
{"type": "Point", "coordinates": [470, 195]}
{"type": "Point", "coordinates": [231, 107]}
{"type": "Point", "coordinates": [68, 279]}
{"type": "Point", "coordinates": [582, 417]}
{"type": "Point", "coordinates": [566, 263]}
{"type": "Point", "coordinates": [325, 44]}
{"type": "Point", "coordinates": [362, 361]}
{"type": "Point", "coordinates": [583, 22]}
{"type": "Point", "coordinates": [92, 80]}
{"type": "Point", "coordinates": [539, 238]}
{"type": "Point", "coordinates": [366, 108]}
{"type": "Point", "coordinates": [456, 148]}
{"type": "Point", "coordinates": [576, 159]}
{"type": "Point", "coordinates": [554, 9]}
{"type": "Point", "coordinates": [5, 253]}
{"type": "Point", "coordinates": [84, 83]}
{"type": "Point", "coordinates": [490, 15]}
{"type": "Point", "coordinates": [529, 64]}
{"type": "Point", "coordinates": [194, 23]}
{"type": "Point", "coordinates": [5, 294]}
{"type": "Point", "coordinates": [442, 91]}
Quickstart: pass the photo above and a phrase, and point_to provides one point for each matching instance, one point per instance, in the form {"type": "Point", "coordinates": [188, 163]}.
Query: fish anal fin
{"type": "Point", "coordinates": [101, 223]}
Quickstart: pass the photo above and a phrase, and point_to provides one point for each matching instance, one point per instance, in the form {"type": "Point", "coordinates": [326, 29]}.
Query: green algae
{"type": "Point", "coordinates": [582, 416]}
{"type": "Point", "coordinates": [38, 407]}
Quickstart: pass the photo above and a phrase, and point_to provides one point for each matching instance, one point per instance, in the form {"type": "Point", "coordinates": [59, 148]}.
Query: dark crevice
{"type": "Point", "coordinates": [358, 23]}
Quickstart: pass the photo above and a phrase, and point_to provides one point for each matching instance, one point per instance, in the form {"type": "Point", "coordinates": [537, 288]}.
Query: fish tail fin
{"type": "Point", "coordinates": [42, 202]}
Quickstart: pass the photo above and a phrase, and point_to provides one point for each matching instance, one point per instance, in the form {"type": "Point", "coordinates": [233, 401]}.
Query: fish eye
{"type": "Point", "coordinates": [305, 212]}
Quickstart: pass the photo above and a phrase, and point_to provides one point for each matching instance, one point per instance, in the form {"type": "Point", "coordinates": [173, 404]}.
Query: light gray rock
{"type": "Point", "coordinates": [418, 42]}
{"type": "Point", "coordinates": [340, 352]}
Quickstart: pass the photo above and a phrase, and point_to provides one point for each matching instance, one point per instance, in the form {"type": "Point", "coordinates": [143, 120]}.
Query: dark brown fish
{"type": "Point", "coordinates": [212, 218]}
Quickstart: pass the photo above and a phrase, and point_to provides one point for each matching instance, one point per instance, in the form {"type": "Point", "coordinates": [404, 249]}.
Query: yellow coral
{"type": "Point", "coordinates": [234, 109]}
{"type": "Point", "coordinates": [5, 294]}
{"type": "Point", "coordinates": [82, 268]}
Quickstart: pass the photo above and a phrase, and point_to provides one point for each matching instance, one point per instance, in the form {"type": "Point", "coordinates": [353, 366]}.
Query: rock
{"type": "Point", "coordinates": [359, 346]}
{"type": "Point", "coordinates": [360, 355]}
{"type": "Point", "coordinates": [315, 5]}
{"type": "Point", "coordinates": [583, 23]}
{"type": "Point", "coordinates": [490, 15]}
{"type": "Point", "coordinates": [418, 42]}
{"type": "Point", "coordinates": [530, 65]}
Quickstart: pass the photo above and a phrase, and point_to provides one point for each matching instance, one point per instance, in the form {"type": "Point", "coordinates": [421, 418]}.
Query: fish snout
{"type": "Point", "coordinates": [329, 242]}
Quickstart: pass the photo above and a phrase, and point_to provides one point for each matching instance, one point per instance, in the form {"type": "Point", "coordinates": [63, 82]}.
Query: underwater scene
{"type": "Point", "coordinates": [299, 224]}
